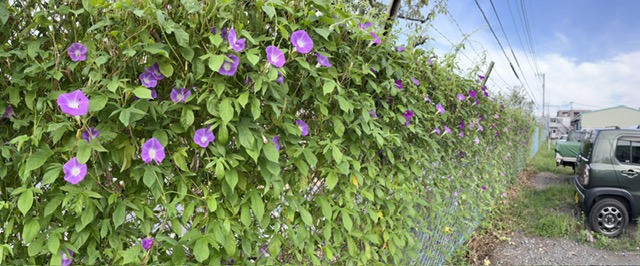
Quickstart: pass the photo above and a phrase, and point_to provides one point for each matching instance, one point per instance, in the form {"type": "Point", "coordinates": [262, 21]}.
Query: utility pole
{"type": "Point", "coordinates": [546, 120]}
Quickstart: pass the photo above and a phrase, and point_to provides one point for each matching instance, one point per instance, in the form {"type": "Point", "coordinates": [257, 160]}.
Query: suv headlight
{"type": "Point", "coordinates": [585, 175]}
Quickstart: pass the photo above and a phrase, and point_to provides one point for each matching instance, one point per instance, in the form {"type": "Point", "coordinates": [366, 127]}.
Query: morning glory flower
{"type": "Point", "coordinates": [447, 130]}
{"type": "Point", "coordinates": [74, 171]}
{"type": "Point", "coordinates": [74, 103]}
{"type": "Point", "coordinates": [67, 259]}
{"type": "Point", "coordinates": [399, 84]}
{"type": "Point", "coordinates": [496, 116]}
{"type": "Point", "coordinates": [229, 68]}
{"type": "Point", "coordinates": [8, 112]}
{"type": "Point", "coordinates": [304, 128]}
{"type": "Point", "coordinates": [440, 108]}
{"type": "Point", "coordinates": [415, 81]}
{"type": "Point", "coordinates": [323, 60]}
{"type": "Point", "coordinates": [407, 116]}
{"type": "Point", "coordinates": [437, 130]}
{"type": "Point", "coordinates": [481, 77]}
{"type": "Point", "coordinates": [373, 113]}
{"type": "Point", "coordinates": [91, 133]}
{"type": "Point", "coordinates": [430, 62]}
{"type": "Point", "coordinates": [148, 80]}
{"type": "Point", "coordinates": [376, 39]}
{"type": "Point", "coordinates": [147, 243]}
{"type": "Point", "coordinates": [155, 71]}
{"type": "Point", "coordinates": [152, 150]}
{"type": "Point", "coordinates": [179, 95]}
{"type": "Point", "coordinates": [477, 141]}
{"type": "Point", "coordinates": [280, 78]}
{"type": "Point", "coordinates": [460, 97]}
{"type": "Point", "coordinates": [462, 125]}
{"type": "Point", "coordinates": [223, 32]}
{"type": "Point", "coordinates": [276, 142]}
{"type": "Point", "coordinates": [236, 44]}
{"type": "Point", "coordinates": [484, 188]}
{"type": "Point", "coordinates": [472, 94]}
{"type": "Point", "coordinates": [401, 49]}
{"type": "Point", "coordinates": [275, 56]}
{"type": "Point", "coordinates": [154, 94]}
{"type": "Point", "coordinates": [426, 98]}
{"type": "Point", "coordinates": [364, 26]}
{"type": "Point", "coordinates": [203, 137]}
{"type": "Point", "coordinates": [301, 40]}
{"type": "Point", "coordinates": [77, 52]}
{"type": "Point", "coordinates": [480, 128]}
{"type": "Point", "coordinates": [461, 134]}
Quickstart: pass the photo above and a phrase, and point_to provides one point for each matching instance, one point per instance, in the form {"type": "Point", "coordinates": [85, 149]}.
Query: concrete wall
{"type": "Point", "coordinates": [617, 116]}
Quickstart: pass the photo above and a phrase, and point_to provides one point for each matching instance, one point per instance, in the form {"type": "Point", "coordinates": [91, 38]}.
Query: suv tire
{"type": "Point", "coordinates": [609, 217]}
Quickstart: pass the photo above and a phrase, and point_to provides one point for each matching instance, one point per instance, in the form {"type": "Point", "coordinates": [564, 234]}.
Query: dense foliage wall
{"type": "Point", "coordinates": [208, 132]}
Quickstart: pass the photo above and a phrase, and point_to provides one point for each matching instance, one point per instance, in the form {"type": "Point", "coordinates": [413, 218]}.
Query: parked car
{"type": "Point", "coordinates": [608, 179]}
{"type": "Point", "coordinates": [567, 151]}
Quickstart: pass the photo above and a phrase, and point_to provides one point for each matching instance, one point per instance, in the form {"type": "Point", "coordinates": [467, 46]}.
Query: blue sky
{"type": "Point", "coordinates": [589, 50]}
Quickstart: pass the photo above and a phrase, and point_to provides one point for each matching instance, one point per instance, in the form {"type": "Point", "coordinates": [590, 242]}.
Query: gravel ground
{"type": "Point", "coordinates": [527, 250]}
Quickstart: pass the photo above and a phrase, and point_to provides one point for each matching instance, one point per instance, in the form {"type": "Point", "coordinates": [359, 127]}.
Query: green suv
{"type": "Point", "coordinates": [608, 179]}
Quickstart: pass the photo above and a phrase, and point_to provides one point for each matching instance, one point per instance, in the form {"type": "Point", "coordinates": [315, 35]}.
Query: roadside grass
{"type": "Point", "coordinates": [548, 212]}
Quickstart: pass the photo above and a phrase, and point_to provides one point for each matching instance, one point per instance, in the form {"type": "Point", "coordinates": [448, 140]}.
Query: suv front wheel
{"type": "Point", "coordinates": [608, 217]}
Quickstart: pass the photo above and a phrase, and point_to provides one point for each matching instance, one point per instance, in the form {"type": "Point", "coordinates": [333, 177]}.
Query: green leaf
{"type": "Point", "coordinates": [125, 117]}
{"type": "Point", "coordinates": [4, 16]}
{"type": "Point", "coordinates": [100, 61]}
{"type": "Point", "coordinates": [345, 105]}
{"type": "Point", "coordinates": [226, 110]}
{"type": "Point", "coordinates": [201, 249]}
{"type": "Point", "coordinates": [271, 153]}
{"type": "Point", "coordinates": [253, 59]}
{"type": "Point", "coordinates": [166, 69]}
{"type": "Point", "coordinates": [84, 151]}
{"type": "Point", "coordinates": [97, 102]}
{"type": "Point", "coordinates": [119, 215]}
{"type": "Point", "coordinates": [25, 201]}
{"type": "Point", "coordinates": [257, 206]}
{"type": "Point", "coordinates": [215, 62]}
{"type": "Point", "coordinates": [182, 37]}
{"type": "Point", "coordinates": [246, 137]}
{"type": "Point", "coordinates": [192, 6]}
{"type": "Point", "coordinates": [212, 203]}
{"type": "Point", "coordinates": [157, 48]}
{"type": "Point", "coordinates": [30, 231]}
{"type": "Point", "coordinates": [161, 135]}
{"type": "Point", "coordinates": [187, 118]}
{"type": "Point", "coordinates": [52, 206]}
{"type": "Point", "coordinates": [37, 159]}
{"type": "Point", "coordinates": [51, 175]}
{"type": "Point", "coordinates": [216, 40]}
{"type": "Point", "coordinates": [323, 32]}
{"type": "Point", "coordinates": [186, 52]}
{"type": "Point", "coordinates": [53, 243]}
{"type": "Point", "coordinates": [180, 161]}
{"type": "Point", "coordinates": [306, 216]}
{"type": "Point", "coordinates": [346, 221]}
{"type": "Point", "coordinates": [270, 10]}
{"type": "Point", "coordinates": [311, 158]}
{"type": "Point", "coordinates": [337, 154]}
{"type": "Point", "coordinates": [255, 108]}
{"type": "Point", "coordinates": [142, 92]}
{"type": "Point", "coordinates": [243, 99]}
{"type": "Point", "coordinates": [326, 208]}
{"type": "Point", "coordinates": [149, 177]}
{"type": "Point", "coordinates": [231, 176]}
{"type": "Point", "coordinates": [332, 180]}
{"type": "Point", "coordinates": [328, 87]}
{"type": "Point", "coordinates": [245, 216]}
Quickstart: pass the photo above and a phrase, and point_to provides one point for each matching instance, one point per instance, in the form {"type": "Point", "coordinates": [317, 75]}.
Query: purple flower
{"type": "Point", "coordinates": [8, 112]}
{"type": "Point", "coordinates": [152, 150]}
{"type": "Point", "coordinates": [91, 133]}
{"type": "Point", "coordinates": [203, 137]}
{"type": "Point", "coordinates": [276, 142]}
{"type": "Point", "coordinates": [179, 95]}
{"type": "Point", "coordinates": [74, 171]}
{"type": "Point", "coordinates": [447, 130]}
{"type": "Point", "coordinates": [461, 134]}
{"type": "Point", "coordinates": [280, 78]}
{"type": "Point", "coordinates": [229, 68]}
{"type": "Point", "coordinates": [67, 259]}
{"type": "Point", "coordinates": [155, 71]}
{"type": "Point", "coordinates": [408, 114]}
{"type": "Point", "coordinates": [415, 81]}
{"type": "Point", "coordinates": [147, 243]}
{"type": "Point", "coordinates": [504, 194]}
{"type": "Point", "coordinates": [74, 103]}
{"type": "Point", "coordinates": [462, 125]}
{"type": "Point", "coordinates": [376, 39]}
{"type": "Point", "coordinates": [484, 188]}
{"type": "Point", "coordinates": [460, 97]}
{"type": "Point", "coordinates": [496, 116]}
{"type": "Point", "coordinates": [437, 130]}
{"type": "Point", "coordinates": [426, 98]}
{"type": "Point", "coordinates": [148, 80]}
{"type": "Point", "coordinates": [401, 49]}
{"type": "Point", "coordinates": [440, 108]}
{"type": "Point", "coordinates": [373, 113]}
{"type": "Point", "coordinates": [154, 94]}
{"type": "Point", "coordinates": [248, 81]}
{"type": "Point", "coordinates": [481, 117]}
{"type": "Point", "coordinates": [236, 44]}
{"type": "Point", "coordinates": [364, 26]}
{"type": "Point", "coordinates": [223, 32]}
{"type": "Point", "coordinates": [323, 60]}
{"type": "Point", "coordinates": [304, 128]}
{"type": "Point", "coordinates": [501, 107]}
{"type": "Point", "coordinates": [476, 140]}
{"type": "Point", "coordinates": [472, 94]}
{"type": "Point", "coordinates": [430, 62]}
{"type": "Point", "coordinates": [480, 128]}
{"type": "Point", "coordinates": [398, 84]}
{"type": "Point", "coordinates": [77, 52]}
{"type": "Point", "coordinates": [481, 77]}
{"type": "Point", "coordinates": [301, 40]}
{"type": "Point", "coordinates": [275, 56]}
{"type": "Point", "coordinates": [486, 94]}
